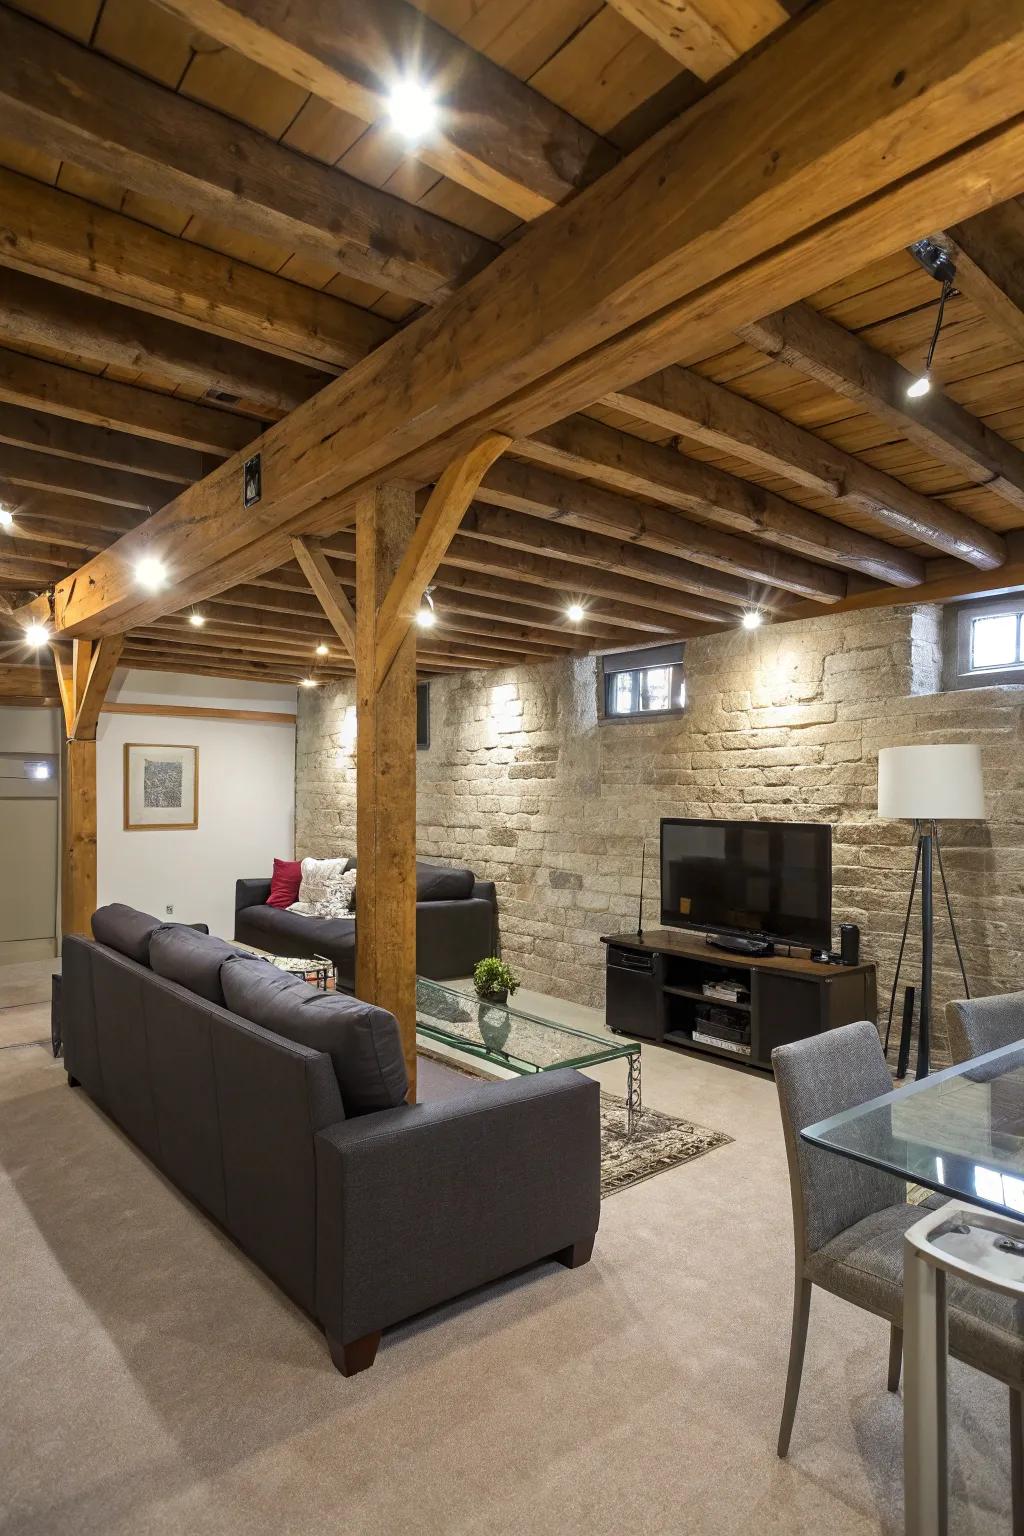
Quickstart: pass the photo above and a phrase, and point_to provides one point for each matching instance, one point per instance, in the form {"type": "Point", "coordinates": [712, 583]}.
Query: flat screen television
{"type": "Point", "coordinates": [759, 879]}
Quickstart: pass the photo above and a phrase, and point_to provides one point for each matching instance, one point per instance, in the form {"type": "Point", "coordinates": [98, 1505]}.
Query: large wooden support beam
{"type": "Point", "coordinates": [816, 346]}
{"type": "Point", "coordinates": [40, 314]}
{"type": "Point", "coordinates": [495, 135]}
{"type": "Point", "coordinates": [428, 546]}
{"type": "Point", "coordinates": [71, 241]}
{"type": "Point", "coordinates": [682, 401]}
{"type": "Point", "coordinates": [328, 590]}
{"type": "Point", "coordinates": [989, 255]}
{"type": "Point", "coordinates": [794, 172]}
{"type": "Point", "coordinates": [109, 119]}
{"type": "Point", "coordinates": [386, 773]}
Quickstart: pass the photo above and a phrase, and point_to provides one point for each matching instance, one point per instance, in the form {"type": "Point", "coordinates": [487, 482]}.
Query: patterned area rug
{"type": "Point", "coordinates": [660, 1142]}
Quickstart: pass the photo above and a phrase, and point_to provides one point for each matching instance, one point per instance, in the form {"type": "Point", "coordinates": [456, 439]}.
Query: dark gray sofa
{"type": "Point", "coordinates": [456, 924]}
{"type": "Point", "coordinates": [297, 1141]}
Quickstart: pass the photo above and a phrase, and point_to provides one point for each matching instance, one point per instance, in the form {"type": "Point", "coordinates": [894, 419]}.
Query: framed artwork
{"type": "Point", "coordinates": [161, 787]}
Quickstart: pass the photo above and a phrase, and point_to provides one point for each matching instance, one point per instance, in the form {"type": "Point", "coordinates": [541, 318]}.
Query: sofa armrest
{"type": "Point", "coordinates": [485, 890]}
{"type": "Point", "coordinates": [419, 1204]}
{"type": "Point", "coordinates": [451, 936]}
{"type": "Point", "coordinates": [251, 893]}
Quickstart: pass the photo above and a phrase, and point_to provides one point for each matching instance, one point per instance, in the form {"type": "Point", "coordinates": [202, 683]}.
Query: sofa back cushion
{"type": "Point", "coordinates": [124, 929]}
{"type": "Point", "coordinates": [191, 959]}
{"type": "Point", "coordinates": [435, 882]}
{"type": "Point", "coordinates": [362, 1041]}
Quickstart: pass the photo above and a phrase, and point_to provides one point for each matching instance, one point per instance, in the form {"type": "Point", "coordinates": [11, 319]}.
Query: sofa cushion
{"type": "Point", "coordinates": [435, 882]}
{"type": "Point", "coordinates": [191, 959]}
{"type": "Point", "coordinates": [124, 929]}
{"type": "Point", "coordinates": [362, 1041]}
{"type": "Point", "coordinates": [289, 933]}
{"type": "Point", "coordinates": [284, 883]}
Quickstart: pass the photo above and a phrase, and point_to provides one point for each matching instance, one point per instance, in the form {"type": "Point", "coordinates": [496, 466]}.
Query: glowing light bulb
{"type": "Point", "coordinates": [575, 613]}
{"type": "Point", "coordinates": [150, 573]}
{"type": "Point", "coordinates": [6, 518]}
{"type": "Point", "coordinates": [919, 388]}
{"type": "Point", "coordinates": [36, 635]}
{"type": "Point", "coordinates": [197, 620]}
{"type": "Point", "coordinates": [752, 619]}
{"type": "Point", "coordinates": [308, 682]}
{"type": "Point", "coordinates": [412, 108]}
{"type": "Point", "coordinates": [322, 650]}
{"type": "Point", "coordinates": [426, 618]}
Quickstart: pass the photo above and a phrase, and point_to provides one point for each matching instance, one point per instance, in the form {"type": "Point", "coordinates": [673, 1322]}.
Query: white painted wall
{"type": "Point", "coordinates": [246, 797]}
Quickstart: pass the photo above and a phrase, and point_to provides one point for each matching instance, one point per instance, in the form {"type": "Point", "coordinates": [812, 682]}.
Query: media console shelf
{"type": "Point", "coordinates": [655, 992]}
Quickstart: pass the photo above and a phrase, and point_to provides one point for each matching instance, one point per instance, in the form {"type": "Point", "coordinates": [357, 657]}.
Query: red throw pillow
{"type": "Point", "coordinates": [284, 883]}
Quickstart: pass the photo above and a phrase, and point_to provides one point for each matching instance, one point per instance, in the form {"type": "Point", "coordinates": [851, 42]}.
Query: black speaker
{"type": "Point", "coordinates": [849, 943]}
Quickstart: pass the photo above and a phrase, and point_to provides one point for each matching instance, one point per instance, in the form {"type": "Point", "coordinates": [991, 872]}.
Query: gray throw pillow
{"type": "Point", "coordinates": [362, 1041]}
{"type": "Point", "coordinates": [190, 958]}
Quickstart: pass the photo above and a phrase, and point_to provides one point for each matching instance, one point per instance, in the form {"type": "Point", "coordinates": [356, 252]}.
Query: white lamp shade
{"type": "Point", "coordinates": [933, 783]}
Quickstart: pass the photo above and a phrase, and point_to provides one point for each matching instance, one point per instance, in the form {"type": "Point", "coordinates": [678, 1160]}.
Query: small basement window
{"type": "Point", "coordinates": [642, 683]}
{"type": "Point", "coordinates": [990, 642]}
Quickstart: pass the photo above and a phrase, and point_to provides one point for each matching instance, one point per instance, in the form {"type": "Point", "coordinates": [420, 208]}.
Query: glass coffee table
{"type": "Point", "coordinates": [519, 1041]}
{"type": "Point", "coordinates": [318, 970]}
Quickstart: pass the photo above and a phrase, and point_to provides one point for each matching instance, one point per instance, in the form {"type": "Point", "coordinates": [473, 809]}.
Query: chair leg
{"type": "Point", "coordinates": [798, 1338]}
{"type": "Point", "coordinates": [895, 1357]}
{"type": "Point", "coordinates": [1017, 1459]}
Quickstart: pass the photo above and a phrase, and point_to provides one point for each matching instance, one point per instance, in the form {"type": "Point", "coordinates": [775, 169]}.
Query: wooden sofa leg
{"type": "Point", "coordinates": [576, 1253]}
{"type": "Point", "coordinates": [354, 1357]}
{"type": "Point", "coordinates": [73, 1082]}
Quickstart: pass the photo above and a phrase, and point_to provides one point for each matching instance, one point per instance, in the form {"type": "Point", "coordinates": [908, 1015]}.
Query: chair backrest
{"type": "Point", "coordinates": [979, 1024]}
{"type": "Point", "coordinates": [816, 1078]}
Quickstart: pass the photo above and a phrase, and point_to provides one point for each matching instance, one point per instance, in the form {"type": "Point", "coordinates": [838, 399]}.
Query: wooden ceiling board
{"type": "Point", "coordinates": [604, 72]}
{"type": "Point", "coordinates": [520, 35]}
{"type": "Point", "coordinates": [75, 17]}
{"type": "Point", "coordinates": [139, 33]}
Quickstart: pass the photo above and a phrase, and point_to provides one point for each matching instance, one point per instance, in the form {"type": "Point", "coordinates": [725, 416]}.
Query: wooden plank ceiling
{"type": "Point", "coordinates": [193, 243]}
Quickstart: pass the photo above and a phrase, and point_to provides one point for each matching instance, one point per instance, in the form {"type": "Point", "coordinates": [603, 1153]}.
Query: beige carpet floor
{"type": "Point", "coordinates": [152, 1381]}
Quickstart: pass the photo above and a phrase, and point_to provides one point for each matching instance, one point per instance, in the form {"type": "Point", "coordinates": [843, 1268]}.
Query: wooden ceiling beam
{"type": "Point", "coordinates": [495, 135]}
{"type": "Point", "coordinates": [36, 313]}
{"type": "Point", "coordinates": [328, 591]}
{"type": "Point", "coordinates": [108, 119]}
{"type": "Point", "coordinates": [109, 404]}
{"type": "Point", "coordinates": [647, 469]}
{"type": "Point", "coordinates": [989, 255]}
{"type": "Point", "coordinates": [72, 477]}
{"type": "Point", "coordinates": [76, 440]}
{"type": "Point", "coordinates": [820, 349]}
{"type": "Point", "coordinates": [527, 488]}
{"type": "Point", "coordinates": [681, 401]}
{"type": "Point", "coordinates": [580, 306]}
{"type": "Point", "coordinates": [705, 36]}
{"type": "Point", "coordinates": [69, 513]}
{"type": "Point", "coordinates": [480, 634]}
{"type": "Point", "coordinates": [68, 240]}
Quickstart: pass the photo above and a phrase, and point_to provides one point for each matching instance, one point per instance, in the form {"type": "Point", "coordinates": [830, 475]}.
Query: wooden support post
{"type": "Point", "coordinates": [385, 774]}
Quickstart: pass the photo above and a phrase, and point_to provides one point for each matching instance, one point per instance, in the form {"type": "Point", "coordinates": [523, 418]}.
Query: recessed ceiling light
{"type": "Point", "coordinates": [752, 619]}
{"type": "Point", "coordinates": [150, 573]}
{"type": "Point", "coordinates": [6, 518]}
{"type": "Point", "coordinates": [920, 387]}
{"type": "Point", "coordinates": [575, 613]}
{"type": "Point", "coordinates": [412, 108]}
{"type": "Point", "coordinates": [37, 635]}
{"type": "Point", "coordinates": [308, 682]}
{"type": "Point", "coordinates": [322, 650]}
{"type": "Point", "coordinates": [197, 620]}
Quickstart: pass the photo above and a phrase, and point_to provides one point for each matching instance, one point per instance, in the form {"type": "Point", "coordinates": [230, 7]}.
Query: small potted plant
{"type": "Point", "coordinates": [494, 980]}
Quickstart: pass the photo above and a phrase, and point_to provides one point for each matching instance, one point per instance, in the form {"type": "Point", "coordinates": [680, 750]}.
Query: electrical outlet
{"type": "Point", "coordinates": [169, 911]}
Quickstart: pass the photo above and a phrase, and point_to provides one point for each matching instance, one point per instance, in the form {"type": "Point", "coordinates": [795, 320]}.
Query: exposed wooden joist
{"type": "Point", "coordinates": [72, 477]}
{"type": "Point", "coordinates": [816, 346]}
{"type": "Point", "coordinates": [704, 35]}
{"type": "Point", "coordinates": [154, 141]}
{"type": "Point", "coordinates": [480, 635]}
{"type": "Point", "coordinates": [527, 488]}
{"type": "Point", "coordinates": [45, 386]}
{"type": "Point", "coordinates": [202, 712]}
{"type": "Point", "coordinates": [989, 255]}
{"type": "Point", "coordinates": [680, 400]}
{"type": "Point", "coordinates": [41, 314]}
{"type": "Point", "coordinates": [926, 130]}
{"type": "Point", "coordinates": [647, 469]}
{"type": "Point", "coordinates": [98, 445]}
{"type": "Point", "coordinates": [68, 240]}
{"type": "Point", "coordinates": [495, 135]}
{"type": "Point", "coordinates": [33, 509]}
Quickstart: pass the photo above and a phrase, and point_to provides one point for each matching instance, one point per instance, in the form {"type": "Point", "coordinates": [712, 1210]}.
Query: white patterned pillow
{"type": "Point", "coordinates": [325, 889]}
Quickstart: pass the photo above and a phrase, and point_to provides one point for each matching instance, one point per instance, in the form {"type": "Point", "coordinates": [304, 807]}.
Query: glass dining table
{"type": "Point", "coordinates": [959, 1132]}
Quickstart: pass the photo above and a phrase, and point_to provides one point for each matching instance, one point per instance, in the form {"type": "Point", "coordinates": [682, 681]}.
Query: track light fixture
{"type": "Point", "coordinates": [426, 617]}
{"type": "Point", "coordinates": [938, 263]}
{"type": "Point", "coordinates": [197, 620]}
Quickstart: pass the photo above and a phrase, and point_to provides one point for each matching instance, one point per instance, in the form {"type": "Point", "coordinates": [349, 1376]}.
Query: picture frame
{"type": "Point", "coordinates": [161, 787]}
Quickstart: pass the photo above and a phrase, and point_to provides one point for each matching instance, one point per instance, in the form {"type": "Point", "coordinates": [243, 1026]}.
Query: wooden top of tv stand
{"type": "Point", "coordinates": [694, 946]}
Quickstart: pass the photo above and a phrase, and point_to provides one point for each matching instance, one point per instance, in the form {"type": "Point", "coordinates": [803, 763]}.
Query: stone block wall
{"type": "Point", "coordinates": [525, 783]}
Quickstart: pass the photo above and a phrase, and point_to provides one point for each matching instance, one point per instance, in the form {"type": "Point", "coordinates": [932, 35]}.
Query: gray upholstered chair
{"type": "Point", "coordinates": [979, 1024]}
{"type": "Point", "coordinates": [849, 1220]}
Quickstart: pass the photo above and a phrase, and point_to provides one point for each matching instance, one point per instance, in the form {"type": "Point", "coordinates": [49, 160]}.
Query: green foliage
{"type": "Point", "coordinates": [493, 975]}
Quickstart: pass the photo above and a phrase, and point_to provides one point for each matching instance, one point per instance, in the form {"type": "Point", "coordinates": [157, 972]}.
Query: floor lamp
{"type": "Point", "coordinates": [927, 785]}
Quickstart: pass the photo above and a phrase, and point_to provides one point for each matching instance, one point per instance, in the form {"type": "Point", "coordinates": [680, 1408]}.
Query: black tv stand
{"type": "Point", "coordinates": [737, 945]}
{"type": "Point", "coordinates": [656, 992]}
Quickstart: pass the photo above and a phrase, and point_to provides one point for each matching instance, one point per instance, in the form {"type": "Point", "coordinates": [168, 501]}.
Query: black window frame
{"type": "Point", "coordinates": [635, 664]}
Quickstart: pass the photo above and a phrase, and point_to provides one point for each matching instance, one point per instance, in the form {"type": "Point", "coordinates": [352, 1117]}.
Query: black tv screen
{"type": "Point", "coordinates": [771, 880]}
